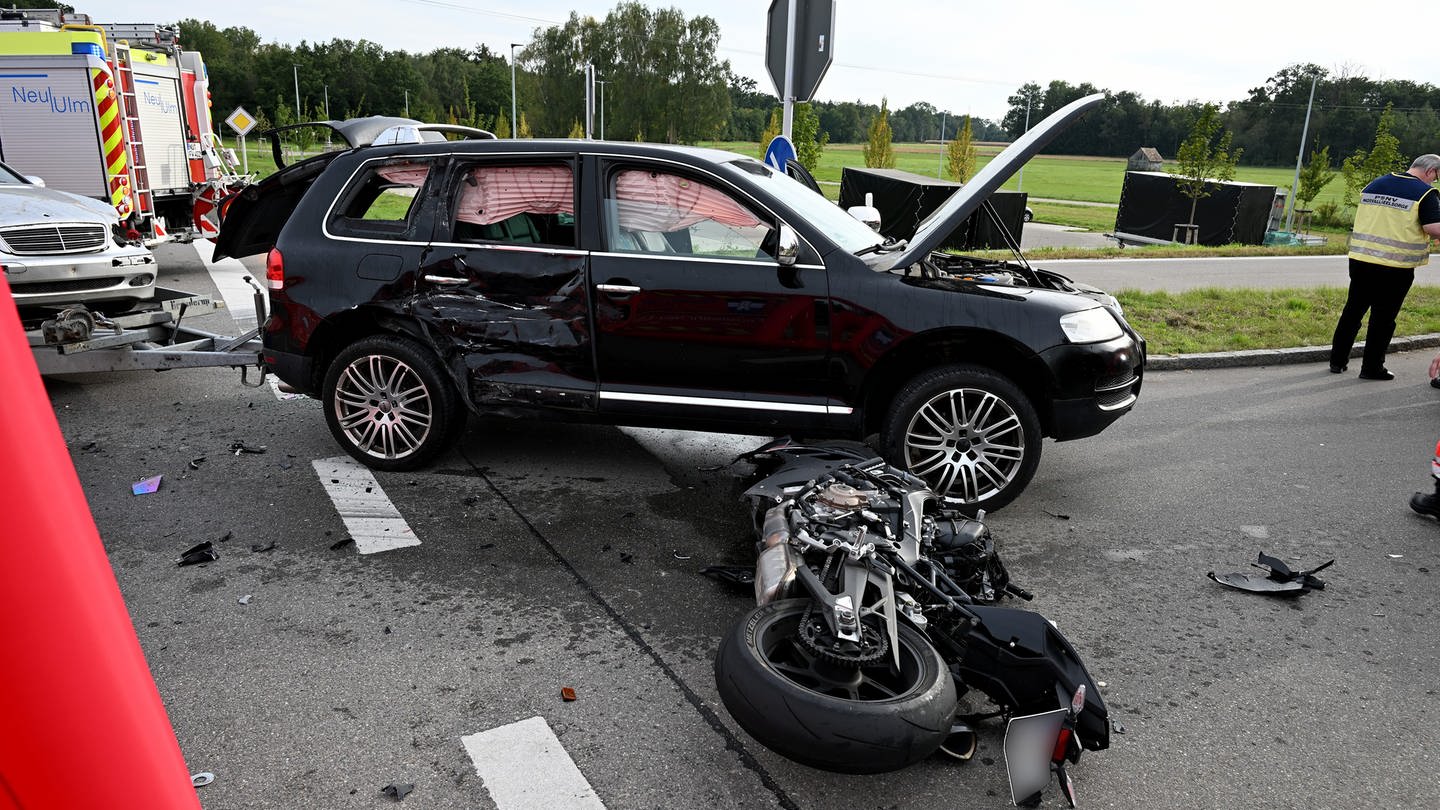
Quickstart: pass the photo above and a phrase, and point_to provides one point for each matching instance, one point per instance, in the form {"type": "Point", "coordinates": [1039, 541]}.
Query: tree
{"type": "Point", "coordinates": [523, 131]}
{"type": "Point", "coordinates": [1206, 158]}
{"type": "Point", "coordinates": [502, 125]}
{"type": "Point", "coordinates": [1382, 158]}
{"type": "Point", "coordinates": [805, 134]}
{"type": "Point", "coordinates": [960, 157]}
{"type": "Point", "coordinates": [878, 152]}
{"type": "Point", "coordinates": [1314, 177]}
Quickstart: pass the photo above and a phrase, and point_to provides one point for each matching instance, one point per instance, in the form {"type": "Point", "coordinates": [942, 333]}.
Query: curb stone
{"type": "Point", "coordinates": [1274, 357]}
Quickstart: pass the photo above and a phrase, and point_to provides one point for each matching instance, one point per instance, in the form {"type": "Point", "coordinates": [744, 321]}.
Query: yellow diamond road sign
{"type": "Point", "coordinates": [240, 121]}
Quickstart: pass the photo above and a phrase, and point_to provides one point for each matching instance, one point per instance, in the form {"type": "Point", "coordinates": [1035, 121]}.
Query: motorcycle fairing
{"type": "Point", "coordinates": [1024, 664]}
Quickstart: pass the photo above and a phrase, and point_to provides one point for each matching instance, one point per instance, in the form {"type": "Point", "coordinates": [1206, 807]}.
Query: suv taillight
{"type": "Point", "coordinates": [275, 270]}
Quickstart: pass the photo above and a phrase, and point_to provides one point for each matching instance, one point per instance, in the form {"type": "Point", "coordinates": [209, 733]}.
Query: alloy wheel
{"type": "Point", "coordinates": [383, 406]}
{"type": "Point", "coordinates": [967, 443]}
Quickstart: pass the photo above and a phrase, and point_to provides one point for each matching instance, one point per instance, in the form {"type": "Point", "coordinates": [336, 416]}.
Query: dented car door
{"type": "Point", "coordinates": [502, 289]}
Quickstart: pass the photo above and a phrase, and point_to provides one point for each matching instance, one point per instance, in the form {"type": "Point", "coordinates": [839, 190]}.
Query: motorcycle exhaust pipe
{"type": "Point", "coordinates": [775, 565]}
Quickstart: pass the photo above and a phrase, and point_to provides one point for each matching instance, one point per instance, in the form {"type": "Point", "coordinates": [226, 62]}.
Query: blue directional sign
{"type": "Point", "coordinates": [780, 152]}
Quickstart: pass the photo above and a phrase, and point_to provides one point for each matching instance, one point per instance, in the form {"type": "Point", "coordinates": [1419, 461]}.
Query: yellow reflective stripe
{"type": "Point", "coordinates": [1403, 244]}
{"type": "Point", "coordinates": [1398, 259]}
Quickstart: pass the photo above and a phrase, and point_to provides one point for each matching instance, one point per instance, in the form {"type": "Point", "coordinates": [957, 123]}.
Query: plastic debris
{"type": "Point", "coordinates": [627, 558]}
{"type": "Point", "coordinates": [742, 575]}
{"type": "Point", "coordinates": [1281, 581]}
{"type": "Point", "coordinates": [568, 694]}
{"type": "Point", "coordinates": [1057, 515]}
{"type": "Point", "coordinates": [238, 447]}
{"type": "Point", "coordinates": [201, 779]}
{"type": "Point", "coordinates": [244, 600]}
{"type": "Point", "coordinates": [203, 553]}
{"type": "Point", "coordinates": [397, 790]}
{"type": "Point", "coordinates": [258, 548]}
{"type": "Point", "coordinates": [196, 462]}
{"type": "Point", "coordinates": [146, 486]}
{"type": "Point", "coordinates": [677, 555]}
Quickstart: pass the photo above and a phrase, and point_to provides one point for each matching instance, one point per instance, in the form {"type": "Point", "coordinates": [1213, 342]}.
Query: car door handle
{"type": "Point", "coordinates": [617, 289]}
{"type": "Point", "coordinates": [445, 279]}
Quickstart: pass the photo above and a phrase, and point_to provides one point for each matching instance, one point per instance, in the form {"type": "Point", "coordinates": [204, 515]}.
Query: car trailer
{"type": "Point", "coordinates": [78, 340]}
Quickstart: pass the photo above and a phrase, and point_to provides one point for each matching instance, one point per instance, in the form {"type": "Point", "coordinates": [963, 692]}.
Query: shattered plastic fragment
{"type": "Point", "coordinates": [680, 556]}
{"type": "Point", "coordinates": [1281, 581]}
{"type": "Point", "coordinates": [205, 552]}
{"type": "Point", "coordinates": [1057, 515]}
{"type": "Point", "coordinates": [146, 486]}
{"type": "Point", "coordinates": [244, 600]}
{"type": "Point", "coordinates": [397, 790]}
{"type": "Point", "coordinates": [196, 462]}
{"type": "Point", "coordinates": [742, 575]}
{"type": "Point", "coordinates": [261, 549]}
{"type": "Point", "coordinates": [568, 694]}
{"type": "Point", "coordinates": [239, 447]}
{"type": "Point", "coordinates": [627, 558]}
{"type": "Point", "coordinates": [202, 779]}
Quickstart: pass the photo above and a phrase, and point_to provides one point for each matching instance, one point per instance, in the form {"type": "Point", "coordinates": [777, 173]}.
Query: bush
{"type": "Point", "coordinates": [1330, 215]}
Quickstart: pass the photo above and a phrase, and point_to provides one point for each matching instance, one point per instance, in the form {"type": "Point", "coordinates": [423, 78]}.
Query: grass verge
{"type": "Point", "coordinates": [1216, 320]}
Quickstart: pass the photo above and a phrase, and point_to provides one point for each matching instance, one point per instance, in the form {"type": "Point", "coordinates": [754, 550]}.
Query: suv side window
{"type": "Point", "coordinates": [658, 212]}
{"type": "Point", "coordinates": [528, 204]}
{"type": "Point", "coordinates": [382, 199]}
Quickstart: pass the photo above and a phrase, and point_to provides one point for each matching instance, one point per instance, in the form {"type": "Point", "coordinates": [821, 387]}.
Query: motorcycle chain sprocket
{"type": "Point", "coordinates": [815, 635]}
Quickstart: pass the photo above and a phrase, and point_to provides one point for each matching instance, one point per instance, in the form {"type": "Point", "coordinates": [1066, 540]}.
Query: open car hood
{"type": "Point", "coordinates": [932, 232]}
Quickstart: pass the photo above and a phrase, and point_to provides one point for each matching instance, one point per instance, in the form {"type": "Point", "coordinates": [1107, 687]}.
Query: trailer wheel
{"type": "Point", "coordinates": [389, 403]}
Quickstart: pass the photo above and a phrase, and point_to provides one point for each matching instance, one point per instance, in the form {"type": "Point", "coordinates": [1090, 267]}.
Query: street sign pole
{"type": "Point", "coordinates": [788, 115]}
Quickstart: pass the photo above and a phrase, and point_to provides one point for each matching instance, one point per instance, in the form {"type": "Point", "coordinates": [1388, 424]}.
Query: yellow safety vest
{"type": "Point", "coordinates": [1387, 226]}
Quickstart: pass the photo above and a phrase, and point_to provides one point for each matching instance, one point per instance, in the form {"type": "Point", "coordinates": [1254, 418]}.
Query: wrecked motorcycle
{"type": "Point", "coordinates": [876, 613]}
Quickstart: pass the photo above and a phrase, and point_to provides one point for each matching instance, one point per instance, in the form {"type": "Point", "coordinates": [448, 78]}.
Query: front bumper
{"type": "Point", "coordinates": [1095, 384]}
{"type": "Point", "coordinates": [117, 273]}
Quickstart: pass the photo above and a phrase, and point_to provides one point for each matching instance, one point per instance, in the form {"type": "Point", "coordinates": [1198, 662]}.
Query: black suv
{"type": "Point", "coordinates": [664, 286]}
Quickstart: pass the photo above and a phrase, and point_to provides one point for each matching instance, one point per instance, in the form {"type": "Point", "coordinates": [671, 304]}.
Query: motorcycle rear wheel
{"type": "Point", "coordinates": [868, 719]}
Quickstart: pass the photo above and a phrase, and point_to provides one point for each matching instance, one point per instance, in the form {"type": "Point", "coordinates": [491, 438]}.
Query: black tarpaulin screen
{"type": "Point", "coordinates": [1151, 205]}
{"type": "Point", "coordinates": [904, 199]}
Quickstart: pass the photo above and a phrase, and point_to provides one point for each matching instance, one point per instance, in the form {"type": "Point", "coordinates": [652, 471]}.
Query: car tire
{"type": "Point", "coordinates": [970, 433]}
{"type": "Point", "coordinates": [868, 720]}
{"type": "Point", "coordinates": [389, 403]}
{"type": "Point", "coordinates": [1029, 215]}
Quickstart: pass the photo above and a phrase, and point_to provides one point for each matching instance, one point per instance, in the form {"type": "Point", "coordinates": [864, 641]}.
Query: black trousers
{"type": "Point", "coordinates": [1381, 290]}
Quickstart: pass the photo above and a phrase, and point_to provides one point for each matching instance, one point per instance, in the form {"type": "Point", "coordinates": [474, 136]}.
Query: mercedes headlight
{"type": "Point", "coordinates": [1090, 326]}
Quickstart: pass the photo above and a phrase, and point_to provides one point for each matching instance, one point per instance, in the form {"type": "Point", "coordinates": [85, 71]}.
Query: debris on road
{"type": "Point", "coordinates": [196, 462]}
{"type": "Point", "coordinates": [258, 548]}
{"type": "Point", "coordinates": [568, 694]}
{"type": "Point", "coordinates": [238, 447]}
{"type": "Point", "coordinates": [146, 486]}
{"type": "Point", "coordinates": [1281, 581]}
{"type": "Point", "coordinates": [244, 600]}
{"type": "Point", "coordinates": [738, 575]}
{"type": "Point", "coordinates": [202, 779]}
{"type": "Point", "coordinates": [203, 553]}
{"type": "Point", "coordinates": [397, 790]}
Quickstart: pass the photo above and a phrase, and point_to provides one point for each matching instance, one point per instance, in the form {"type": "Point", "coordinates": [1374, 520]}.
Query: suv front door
{"type": "Point", "coordinates": [692, 309]}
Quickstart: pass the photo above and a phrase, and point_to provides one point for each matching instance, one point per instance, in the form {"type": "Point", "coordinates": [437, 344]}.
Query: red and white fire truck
{"type": "Point", "coordinates": [119, 112]}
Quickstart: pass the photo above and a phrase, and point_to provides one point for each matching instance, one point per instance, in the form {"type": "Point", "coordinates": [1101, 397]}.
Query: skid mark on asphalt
{"type": "Point", "coordinates": [524, 767]}
{"type": "Point", "coordinates": [372, 520]}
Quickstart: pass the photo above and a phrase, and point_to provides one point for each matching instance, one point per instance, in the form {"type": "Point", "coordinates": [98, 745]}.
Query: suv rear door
{"type": "Point", "coordinates": [692, 309]}
{"type": "Point", "coordinates": [503, 287]}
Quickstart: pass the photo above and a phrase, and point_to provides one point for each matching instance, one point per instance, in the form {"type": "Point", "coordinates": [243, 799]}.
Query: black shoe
{"type": "Point", "coordinates": [1334, 369]}
{"type": "Point", "coordinates": [1435, 383]}
{"type": "Point", "coordinates": [1382, 374]}
{"type": "Point", "coordinates": [1428, 505]}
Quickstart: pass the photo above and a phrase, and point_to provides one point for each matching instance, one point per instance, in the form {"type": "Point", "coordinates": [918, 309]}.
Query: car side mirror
{"type": "Point", "coordinates": [35, 180]}
{"type": "Point", "coordinates": [787, 250]}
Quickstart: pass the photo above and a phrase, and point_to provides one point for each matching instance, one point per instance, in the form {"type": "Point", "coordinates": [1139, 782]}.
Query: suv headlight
{"type": "Point", "coordinates": [1090, 326]}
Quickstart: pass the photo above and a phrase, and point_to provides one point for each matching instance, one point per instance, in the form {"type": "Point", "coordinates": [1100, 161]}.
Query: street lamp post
{"type": "Point", "coordinates": [407, 102]}
{"type": "Point", "coordinates": [514, 115]}
{"type": "Point", "coordinates": [602, 108]}
{"type": "Point", "coordinates": [941, 171]}
{"type": "Point", "coordinates": [1299, 158]}
{"type": "Point", "coordinates": [297, 93]}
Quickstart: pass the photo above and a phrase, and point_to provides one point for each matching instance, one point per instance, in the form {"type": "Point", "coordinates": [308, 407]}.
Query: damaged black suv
{"type": "Point", "coordinates": [640, 284]}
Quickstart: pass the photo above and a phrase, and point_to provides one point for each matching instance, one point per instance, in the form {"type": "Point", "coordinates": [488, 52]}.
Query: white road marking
{"type": "Point", "coordinates": [229, 277]}
{"type": "Point", "coordinates": [374, 522]}
{"type": "Point", "coordinates": [524, 767]}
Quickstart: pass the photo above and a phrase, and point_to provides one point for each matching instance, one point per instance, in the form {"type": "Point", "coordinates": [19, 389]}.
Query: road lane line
{"type": "Point", "coordinates": [229, 277]}
{"type": "Point", "coordinates": [525, 767]}
{"type": "Point", "coordinates": [373, 522]}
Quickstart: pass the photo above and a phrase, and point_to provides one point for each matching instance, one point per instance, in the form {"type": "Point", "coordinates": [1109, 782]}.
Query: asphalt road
{"type": "Point", "coordinates": [555, 556]}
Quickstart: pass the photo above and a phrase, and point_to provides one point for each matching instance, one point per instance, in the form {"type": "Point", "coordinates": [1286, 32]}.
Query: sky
{"type": "Point", "coordinates": [966, 58]}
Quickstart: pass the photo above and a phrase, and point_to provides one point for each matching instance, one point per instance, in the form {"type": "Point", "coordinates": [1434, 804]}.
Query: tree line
{"type": "Point", "coordinates": [664, 82]}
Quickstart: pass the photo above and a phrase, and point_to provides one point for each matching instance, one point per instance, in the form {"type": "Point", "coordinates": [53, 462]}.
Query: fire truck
{"type": "Point", "coordinates": [119, 112]}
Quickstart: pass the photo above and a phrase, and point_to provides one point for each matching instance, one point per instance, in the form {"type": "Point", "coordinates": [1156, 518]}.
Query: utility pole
{"type": "Point", "coordinates": [514, 116]}
{"type": "Point", "coordinates": [298, 117]}
{"type": "Point", "coordinates": [940, 172]}
{"type": "Point", "coordinates": [602, 108]}
{"type": "Point", "coordinates": [1304, 133]}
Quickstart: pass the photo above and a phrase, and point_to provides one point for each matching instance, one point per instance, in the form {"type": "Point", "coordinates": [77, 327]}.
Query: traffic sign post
{"type": "Point", "coordinates": [799, 46]}
{"type": "Point", "coordinates": [242, 122]}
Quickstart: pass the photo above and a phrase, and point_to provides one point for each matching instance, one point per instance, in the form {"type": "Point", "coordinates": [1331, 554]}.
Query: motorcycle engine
{"type": "Point", "coordinates": [969, 555]}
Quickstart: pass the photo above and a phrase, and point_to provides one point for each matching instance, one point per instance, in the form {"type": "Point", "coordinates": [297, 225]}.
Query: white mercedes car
{"type": "Point", "coordinates": [60, 248]}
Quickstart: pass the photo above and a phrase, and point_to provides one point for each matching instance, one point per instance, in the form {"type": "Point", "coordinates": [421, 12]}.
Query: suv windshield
{"type": "Point", "coordinates": [849, 233]}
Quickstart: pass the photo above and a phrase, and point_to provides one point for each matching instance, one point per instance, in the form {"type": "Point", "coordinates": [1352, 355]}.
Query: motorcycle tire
{"type": "Point", "coordinates": [869, 719]}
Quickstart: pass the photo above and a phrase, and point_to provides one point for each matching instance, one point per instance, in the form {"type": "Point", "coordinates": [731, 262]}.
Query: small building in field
{"type": "Point", "coordinates": [1146, 159]}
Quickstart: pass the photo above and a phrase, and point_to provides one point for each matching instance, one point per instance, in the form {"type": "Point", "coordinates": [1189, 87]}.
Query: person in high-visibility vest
{"type": "Point", "coordinates": [1397, 216]}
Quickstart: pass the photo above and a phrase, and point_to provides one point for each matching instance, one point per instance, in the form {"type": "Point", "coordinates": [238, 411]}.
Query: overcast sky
{"type": "Point", "coordinates": [963, 57]}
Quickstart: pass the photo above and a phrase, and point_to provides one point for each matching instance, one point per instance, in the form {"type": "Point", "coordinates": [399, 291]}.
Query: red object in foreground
{"type": "Point", "coordinates": [83, 723]}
